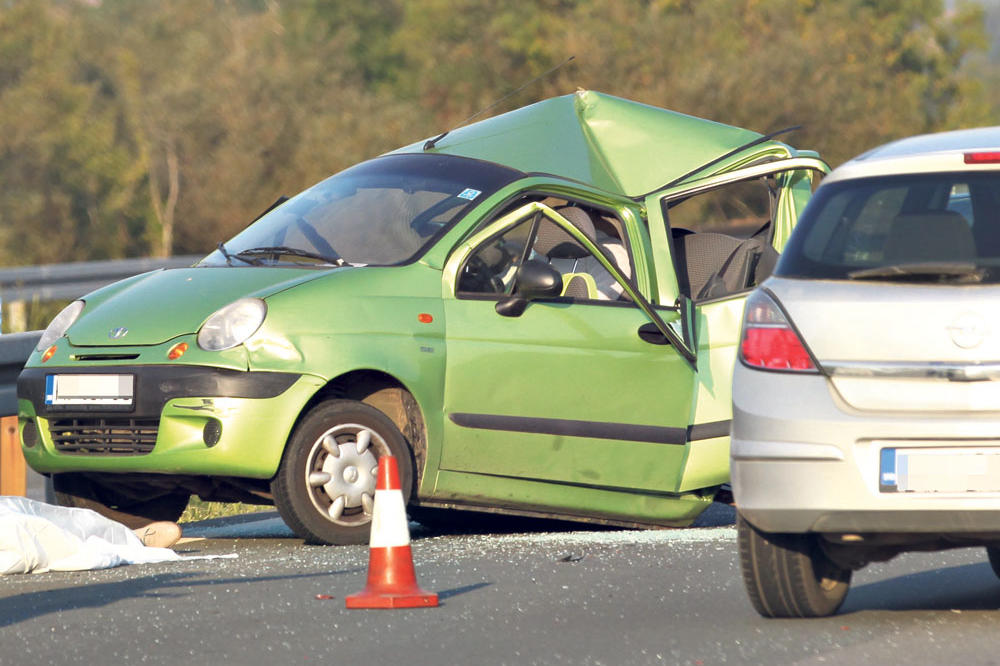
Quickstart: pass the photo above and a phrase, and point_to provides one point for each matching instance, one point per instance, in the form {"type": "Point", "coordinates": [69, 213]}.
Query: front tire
{"type": "Point", "coordinates": [788, 575]}
{"type": "Point", "coordinates": [325, 485]}
{"type": "Point", "coordinates": [993, 552]}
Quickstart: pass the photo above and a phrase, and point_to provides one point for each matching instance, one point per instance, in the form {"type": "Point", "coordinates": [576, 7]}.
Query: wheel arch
{"type": "Point", "coordinates": [390, 396]}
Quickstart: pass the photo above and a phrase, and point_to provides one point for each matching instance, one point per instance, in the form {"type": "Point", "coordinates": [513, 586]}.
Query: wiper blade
{"type": "Point", "coordinates": [230, 257]}
{"type": "Point", "coordinates": [942, 271]}
{"type": "Point", "coordinates": [279, 250]}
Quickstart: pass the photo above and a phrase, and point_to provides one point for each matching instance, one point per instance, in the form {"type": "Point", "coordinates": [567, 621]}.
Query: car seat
{"type": "Point", "coordinates": [933, 235]}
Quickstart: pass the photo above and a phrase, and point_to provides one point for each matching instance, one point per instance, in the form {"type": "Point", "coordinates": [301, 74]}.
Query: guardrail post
{"type": "Point", "coordinates": [13, 472]}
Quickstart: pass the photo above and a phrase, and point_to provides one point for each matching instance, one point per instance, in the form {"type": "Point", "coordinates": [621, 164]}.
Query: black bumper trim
{"type": "Point", "coordinates": [155, 385]}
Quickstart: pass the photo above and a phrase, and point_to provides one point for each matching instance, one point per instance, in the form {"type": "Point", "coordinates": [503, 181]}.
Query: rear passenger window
{"type": "Point", "coordinates": [722, 237]}
{"type": "Point", "coordinates": [738, 209]}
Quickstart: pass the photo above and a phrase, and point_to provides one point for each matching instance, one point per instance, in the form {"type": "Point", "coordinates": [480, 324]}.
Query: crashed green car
{"type": "Point", "coordinates": [536, 314]}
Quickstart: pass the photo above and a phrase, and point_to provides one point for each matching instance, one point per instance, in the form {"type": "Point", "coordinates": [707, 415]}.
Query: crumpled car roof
{"type": "Point", "coordinates": [611, 143]}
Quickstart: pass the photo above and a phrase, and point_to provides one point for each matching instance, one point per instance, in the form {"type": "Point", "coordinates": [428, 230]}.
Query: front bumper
{"type": "Point", "coordinates": [184, 420]}
{"type": "Point", "coordinates": [802, 460]}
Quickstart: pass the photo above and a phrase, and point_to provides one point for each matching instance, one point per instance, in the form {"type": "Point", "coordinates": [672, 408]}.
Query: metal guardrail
{"type": "Point", "coordinates": [59, 282]}
{"type": "Point", "coordinates": [15, 349]}
{"type": "Point", "coordinates": [53, 282]}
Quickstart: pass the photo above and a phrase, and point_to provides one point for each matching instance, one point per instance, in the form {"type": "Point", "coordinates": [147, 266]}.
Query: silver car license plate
{"type": "Point", "coordinates": [945, 469]}
{"type": "Point", "coordinates": [83, 390]}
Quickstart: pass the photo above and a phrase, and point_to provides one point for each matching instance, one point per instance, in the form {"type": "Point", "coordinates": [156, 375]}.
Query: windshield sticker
{"type": "Point", "coordinates": [469, 193]}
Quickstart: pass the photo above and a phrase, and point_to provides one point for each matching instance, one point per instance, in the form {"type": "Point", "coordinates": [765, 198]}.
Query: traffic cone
{"type": "Point", "coordinates": [392, 582]}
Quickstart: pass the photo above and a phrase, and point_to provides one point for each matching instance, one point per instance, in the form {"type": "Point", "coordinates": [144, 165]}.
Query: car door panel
{"type": "Point", "coordinates": [568, 392]}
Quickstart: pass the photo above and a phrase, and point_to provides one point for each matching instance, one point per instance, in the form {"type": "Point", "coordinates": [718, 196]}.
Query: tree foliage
{"type": "Point", "coordinates": [134, 128]}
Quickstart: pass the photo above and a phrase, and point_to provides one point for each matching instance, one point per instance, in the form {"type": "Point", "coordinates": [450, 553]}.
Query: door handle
{"type": "Point", "coordinates": [651, 334]}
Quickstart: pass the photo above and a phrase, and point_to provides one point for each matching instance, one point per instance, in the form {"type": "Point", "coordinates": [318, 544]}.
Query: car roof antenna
{"type": "Point", "coordinates": [430, 143]}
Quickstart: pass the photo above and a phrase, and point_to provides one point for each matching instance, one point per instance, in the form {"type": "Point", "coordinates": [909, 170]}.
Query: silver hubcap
{"type": "Point", "coordinates": [341, 473]}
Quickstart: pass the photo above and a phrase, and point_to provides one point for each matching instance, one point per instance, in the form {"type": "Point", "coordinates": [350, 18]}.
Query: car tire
{"type": "Point", "coordinates": [326, 498]}
{"type": "Point", "coordinates": [81, 492]}
{"type": "Point", "coordinates": [788, 575]}
{"type": "Point", "coordinates": [993, 552]}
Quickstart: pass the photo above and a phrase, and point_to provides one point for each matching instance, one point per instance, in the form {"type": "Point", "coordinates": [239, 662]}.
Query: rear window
{"type": "Point", "coordinates": [920, 227]}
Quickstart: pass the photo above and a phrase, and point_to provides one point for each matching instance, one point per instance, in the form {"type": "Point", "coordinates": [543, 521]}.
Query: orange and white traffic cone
{"type": "Point", "coordinates": [392, 582]}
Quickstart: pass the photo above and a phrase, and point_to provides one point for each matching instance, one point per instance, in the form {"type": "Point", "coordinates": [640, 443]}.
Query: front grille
{"type": "Point", "coordinates": [104, 436]}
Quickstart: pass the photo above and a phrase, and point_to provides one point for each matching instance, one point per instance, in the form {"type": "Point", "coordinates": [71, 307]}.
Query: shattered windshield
{"type": "Point", "coordinates": [382, 212]}
{"type": "Point", "coordinates": [938, 228]}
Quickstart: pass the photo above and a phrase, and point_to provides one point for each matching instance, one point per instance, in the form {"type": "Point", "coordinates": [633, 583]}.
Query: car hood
{"type": "Point", "coordinates": [161, 305]}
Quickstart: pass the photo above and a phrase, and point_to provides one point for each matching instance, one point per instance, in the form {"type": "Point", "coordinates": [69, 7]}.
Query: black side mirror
{"type": "Point", "coordinates": [535, 279]}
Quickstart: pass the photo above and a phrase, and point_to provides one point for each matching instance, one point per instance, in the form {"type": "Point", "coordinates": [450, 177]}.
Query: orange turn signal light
{"type": "Point", "coordinates": [177, 351]}
{"type": "Point", "coordinates": [425, 318]}
{"type": "Point", "coordinates": [49, 353]}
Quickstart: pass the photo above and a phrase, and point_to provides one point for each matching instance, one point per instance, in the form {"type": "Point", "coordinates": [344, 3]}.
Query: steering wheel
{"type": "Point", "coordinates": [481, 276]}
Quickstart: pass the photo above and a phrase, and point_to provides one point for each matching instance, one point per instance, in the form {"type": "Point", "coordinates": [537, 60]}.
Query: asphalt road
{"type": "Point", "coordinates": [538, 595]}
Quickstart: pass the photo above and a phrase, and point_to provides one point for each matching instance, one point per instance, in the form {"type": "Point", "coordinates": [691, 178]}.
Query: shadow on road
{"type": "Point", "coordinates": [31, 605]}
{"type": "Point", "coordinates": [965, 587]}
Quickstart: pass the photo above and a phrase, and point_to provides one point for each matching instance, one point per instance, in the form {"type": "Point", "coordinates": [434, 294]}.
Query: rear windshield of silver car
{"type": "Point", "coordinates": [386, 211]}
{"type": "Point", "coordinates": [942, 227]}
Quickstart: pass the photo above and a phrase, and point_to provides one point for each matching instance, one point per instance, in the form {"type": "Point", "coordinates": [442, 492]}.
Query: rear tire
{"type": "Point", "coordinates": [325, 485]}
{"type": "Point", "coordinates": [788, 575]}
{"type": "Point", "coordinates": [81, 492]}
{"type": "Point", "coordinates": [993, 552]}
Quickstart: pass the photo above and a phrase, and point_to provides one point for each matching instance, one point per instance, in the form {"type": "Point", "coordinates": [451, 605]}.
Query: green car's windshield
{"type": "Point", "coordinates": [382, 212]}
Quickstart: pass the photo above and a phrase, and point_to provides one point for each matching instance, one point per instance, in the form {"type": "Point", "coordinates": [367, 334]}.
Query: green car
{"type": "Point", "coordinates": [536, 314]}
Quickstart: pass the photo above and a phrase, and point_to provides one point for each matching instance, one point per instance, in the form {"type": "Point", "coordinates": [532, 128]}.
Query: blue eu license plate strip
{"type": "Point", "coordinates": [948, 467]}
{"type": "Point", "coordinates": [887, 479]}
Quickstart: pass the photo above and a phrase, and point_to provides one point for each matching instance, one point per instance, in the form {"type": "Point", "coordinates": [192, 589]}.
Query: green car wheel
{"type": "Point", "coordinates": [325, 486]}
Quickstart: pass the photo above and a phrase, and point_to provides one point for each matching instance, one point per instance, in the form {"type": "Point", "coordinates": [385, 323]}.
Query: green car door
{"type": "Point", "coordinates": [580, 388]}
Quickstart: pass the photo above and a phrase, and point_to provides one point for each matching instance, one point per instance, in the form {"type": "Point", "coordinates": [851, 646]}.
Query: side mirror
{"type": "Point", "coordinates": [535, 279]}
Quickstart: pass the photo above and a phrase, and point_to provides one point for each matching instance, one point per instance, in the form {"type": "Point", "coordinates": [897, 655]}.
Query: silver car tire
{"type": "Point", "coordinates": [788, 575]}
{"type": "Point", "coordinates": [993, 552]}
{"type": "Point", "coordinates": [325, 485]}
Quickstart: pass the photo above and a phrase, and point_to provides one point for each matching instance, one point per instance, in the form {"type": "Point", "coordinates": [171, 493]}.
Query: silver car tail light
{"type": "Point", "coordinates": [988, 157]}
{"type": "Point", "coordinates": [768, 340]}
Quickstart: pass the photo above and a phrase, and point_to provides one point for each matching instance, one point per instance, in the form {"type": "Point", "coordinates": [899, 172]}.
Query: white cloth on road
{"type": "Point", "coordinates": [36, 537]}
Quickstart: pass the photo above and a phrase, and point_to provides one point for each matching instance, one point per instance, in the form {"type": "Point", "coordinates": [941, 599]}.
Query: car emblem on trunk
{"type": "Point", "coordinates": [968, 331]}
{"type": "Point", "coordinates": [118, 333]}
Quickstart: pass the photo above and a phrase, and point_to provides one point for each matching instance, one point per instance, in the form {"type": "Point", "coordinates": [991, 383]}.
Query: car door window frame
{"type": "Point", "coordinates": [681, 339]}
{"type": "Point", "coordinates": [781, 203]}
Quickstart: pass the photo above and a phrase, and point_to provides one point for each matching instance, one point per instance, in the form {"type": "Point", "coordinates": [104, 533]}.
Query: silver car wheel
{"type": "Point", "coordinates": [341, 473]}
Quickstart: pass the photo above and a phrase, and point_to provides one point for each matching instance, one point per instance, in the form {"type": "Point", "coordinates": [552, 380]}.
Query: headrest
{"type": "Point", "coordinates": [933, 235]}
{"type": "Point", "coordinates": [555, 243]}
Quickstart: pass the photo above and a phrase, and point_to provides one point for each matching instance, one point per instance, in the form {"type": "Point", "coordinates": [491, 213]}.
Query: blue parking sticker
{"type": "Point", "coordinates": [469, 193]}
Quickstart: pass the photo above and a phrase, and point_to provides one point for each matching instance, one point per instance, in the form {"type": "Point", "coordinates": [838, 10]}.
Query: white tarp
{"type": "Point", "coordinates": [36, 537]}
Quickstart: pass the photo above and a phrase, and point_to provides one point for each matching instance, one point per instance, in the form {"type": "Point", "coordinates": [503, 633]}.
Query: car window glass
{"type": "Point", "coordinates": [383, 212]}
{"type": "Point", "coordinates": [872, 223]}
{"type": "Point", "coordinates": [738, 209]}
{"type": "Point", "coordinates": [721, 237]}
{"type": "Point", "coordinates": [492, 268]}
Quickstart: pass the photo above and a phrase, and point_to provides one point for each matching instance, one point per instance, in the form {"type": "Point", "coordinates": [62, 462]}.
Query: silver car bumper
{"type": "Point", "coordinates": [803, 460]}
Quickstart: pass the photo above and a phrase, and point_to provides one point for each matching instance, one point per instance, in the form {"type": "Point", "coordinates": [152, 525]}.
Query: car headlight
{"type": "Point", "coordinates": [232, 325]}
{"type": "Point", "coordinates": [57, 328]}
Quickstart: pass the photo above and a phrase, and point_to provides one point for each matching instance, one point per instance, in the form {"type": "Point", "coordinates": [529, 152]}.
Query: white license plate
{"type": "Point", "coordinates": [953, 469]}
{"type": "Point", "coordinates": [89, 389]}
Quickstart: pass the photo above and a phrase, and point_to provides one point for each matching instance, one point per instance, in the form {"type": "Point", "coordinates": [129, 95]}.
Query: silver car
{"type": "Point", "coordinates": [866, 403]}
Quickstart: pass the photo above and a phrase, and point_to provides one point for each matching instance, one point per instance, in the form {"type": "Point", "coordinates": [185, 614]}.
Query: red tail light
{"type": "Point", "coordinates": [768, 340]}
{"type": "Point", "coordinates": [986, 157]}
